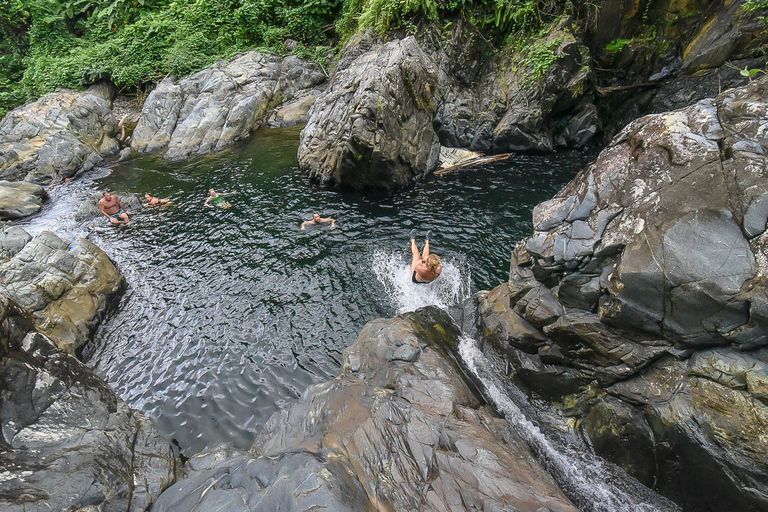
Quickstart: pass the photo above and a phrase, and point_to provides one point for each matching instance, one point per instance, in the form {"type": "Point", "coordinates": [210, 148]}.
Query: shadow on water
{"type": "Point", "coordinates": [229, 314]}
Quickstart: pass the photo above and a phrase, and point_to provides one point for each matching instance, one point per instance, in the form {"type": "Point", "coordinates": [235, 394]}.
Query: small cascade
{"type": "Point", "coordinates": [592, 483]}
{"type": "Point", "coordinates": [394, 274]}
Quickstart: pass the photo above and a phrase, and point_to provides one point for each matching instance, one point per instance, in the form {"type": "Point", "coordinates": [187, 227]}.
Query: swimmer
{"type": "Point", "coordinates": [425, 267]}
{"type": "Point", "coordinates": [152, 201]}
{"type": "Point", "coordinates": [111, 207]}
{"type": "Point", "coordinates": [316, 220]}
{"type": "Point", "coordinates": [216, 199]}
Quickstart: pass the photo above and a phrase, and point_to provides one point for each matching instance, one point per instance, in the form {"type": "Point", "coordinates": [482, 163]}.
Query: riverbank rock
{"type": "Point", "coordinates": [211, 109]}
{"type": "Point", "coordinates": [639, 303]}
{"type": "Point", "coordinates": [64, 287]}
{"type": "Point", "coordinates": [68, 443]}
{"type": "Point", "coordinates": [373, 126]}
{"type": "Point", "coordinates": [57, 136]}
{"type": "Point", "coordinates": [18, 199]}
{"type": "Point", "coordinates": [512, 103]}
{"type": "Point", "coordinates": [415, 436]}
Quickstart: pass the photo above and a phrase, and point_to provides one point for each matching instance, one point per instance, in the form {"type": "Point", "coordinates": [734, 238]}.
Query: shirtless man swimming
{"type": "Point", "coordinates": [153, 201]}
{"type": "Point", "coordinates": [113, 209]}
{"type": "Point", "coordinates": [425, 267]}
{"type": "Point", "coordinates": [317, 219]}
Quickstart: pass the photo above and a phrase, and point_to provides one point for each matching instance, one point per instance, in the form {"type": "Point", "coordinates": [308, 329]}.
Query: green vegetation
{"type": "Point", "coordinates": [45, 44]}
{"type": "Point", "coordinates": [617, 45]}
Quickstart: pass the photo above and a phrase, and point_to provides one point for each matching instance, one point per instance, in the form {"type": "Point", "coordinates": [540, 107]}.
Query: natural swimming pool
{"type": "Point", "coordinates": [230, 313]}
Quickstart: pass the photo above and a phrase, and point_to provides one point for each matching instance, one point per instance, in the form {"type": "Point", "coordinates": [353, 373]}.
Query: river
{"type": "Point", "coordinates": [231, 313]}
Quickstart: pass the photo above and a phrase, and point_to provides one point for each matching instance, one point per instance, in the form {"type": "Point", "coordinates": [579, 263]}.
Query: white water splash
{"type": "Point", "coordinates": [60, 212]}
{"type": "Point", "coordinates": [452, 287]}
{"type": "Point", "coordinates": [591, 481]}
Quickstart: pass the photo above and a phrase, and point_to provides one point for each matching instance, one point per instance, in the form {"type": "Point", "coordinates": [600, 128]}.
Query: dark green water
{"type": "Point", "coordinates": [229, 314]}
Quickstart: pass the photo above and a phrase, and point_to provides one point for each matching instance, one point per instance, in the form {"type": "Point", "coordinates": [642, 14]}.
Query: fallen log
{"type": "Point", "coordinates": [472, 163]}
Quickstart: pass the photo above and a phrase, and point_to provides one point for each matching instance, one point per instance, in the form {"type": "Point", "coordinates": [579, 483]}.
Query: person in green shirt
{"type": "Point", "coordinates": [216, 199]}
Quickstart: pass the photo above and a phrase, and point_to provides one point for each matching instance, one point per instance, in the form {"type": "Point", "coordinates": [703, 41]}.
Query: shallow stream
{"type": "Point", "coordinates": [231, 313]}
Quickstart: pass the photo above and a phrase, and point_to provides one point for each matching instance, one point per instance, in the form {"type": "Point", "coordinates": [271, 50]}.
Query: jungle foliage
{"type": "Point", "coordinates": [45, 44]}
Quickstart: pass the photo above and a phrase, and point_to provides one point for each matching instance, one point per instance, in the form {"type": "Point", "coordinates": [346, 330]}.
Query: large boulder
{"type": "Point", "coordinates": [19, 199]}
{"type": "Point", "coordinates": [373, 126]}
{"type": "Point", "coordinates": [68, 443]}
{"type": "Point", "coordinates": [57, 136]}
{"type": "Point", "coordinates": [513, 104]}
{"type": "Point", "coordinates": [415, 436]}
{"type": "Point", "coordinates": [211, 109]}
{"type": "Point", "coordinates": [64, 287]}
{"type": "Point", "coordinates": [639, 302]}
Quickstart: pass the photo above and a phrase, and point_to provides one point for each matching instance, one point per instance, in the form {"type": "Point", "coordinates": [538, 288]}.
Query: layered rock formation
{"type": "Point", "coordinates": [639, 302]}
{"type": "Point", "coordinates": [64, 288]}
{"type": "Point", "coordinates": [400, 428]}
{"type": "Point", "coordinates": [59, 135]}
{"type": "Point", "coordinates": [211, 109]}
{"type": "Point", "coordinates": [66, 441]}
{"type": "Point", "coordinates": [373, 126]}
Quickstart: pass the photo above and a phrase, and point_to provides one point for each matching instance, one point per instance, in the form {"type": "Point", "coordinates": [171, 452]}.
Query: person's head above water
{"type": "Point", "coordinates": [316, 218]}
{"type": "Point", "coordinates": [211, 192]}
{"type": "Point", "coordinates": [432, 262]}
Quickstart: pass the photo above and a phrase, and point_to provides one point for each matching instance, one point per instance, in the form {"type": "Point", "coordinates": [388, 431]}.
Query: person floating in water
{"type": "Point", "coordinates": [425, 267]}
{"type": "Point", "coordinates": [216, 199]}
{"type": "Point", "coordinates": [317, 219]}
{"type": "Point", "coordinates": [111, 207]}
{"type": "Point", "coordinates": [152, 201]}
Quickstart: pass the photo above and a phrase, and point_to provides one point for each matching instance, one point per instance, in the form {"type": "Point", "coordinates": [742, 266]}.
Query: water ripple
{"type": "Point", "coordinates": [229, 314]}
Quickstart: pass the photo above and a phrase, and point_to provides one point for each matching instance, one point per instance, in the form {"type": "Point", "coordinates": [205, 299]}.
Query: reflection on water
{"type": "Point", "coordinates": [231, 313]}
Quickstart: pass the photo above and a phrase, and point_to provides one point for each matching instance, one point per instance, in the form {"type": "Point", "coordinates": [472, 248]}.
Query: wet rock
{"type": "Point", "coordinates": [415, 437]}
{"type": "Point", "coordinates": [644, 277]}
{"type": "Point", "coordinates": [57, 136]}
{"type": "Point", "coordinates": [19, 200]}
{"type": "Point", "coordinates": [373, 126]}
{"type": "Point", "coordinates": [68, 443]}
{"type": "Point", "coordinates": [65, 287]}
{"type": "Point", "coordinates": [211, 109]}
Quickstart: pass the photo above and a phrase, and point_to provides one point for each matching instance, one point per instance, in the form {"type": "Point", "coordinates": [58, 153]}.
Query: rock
{"type": "Point", "coordinates": [57, 136]}
{"type": "Point", "coordinates": [507, 106]}
{"type": "Point", "coordinates": [213, 108]}
{"type": "Point", "coordinates": [12, 240]}
{"type": "Point", "coordinates": [373, 126]}
{"type": "Point", "coordinates": [293, 112]}
{"type": "Point", "coordinates": [414, 438]}
{"type": "Point", "coordinates": [20, 199]}
{"type": "Point", "coordinates": [643, 280]}
{"type": "Point", "coordinates": [68, 442]}
{"type": "Point", "coordinates": [65, 287]}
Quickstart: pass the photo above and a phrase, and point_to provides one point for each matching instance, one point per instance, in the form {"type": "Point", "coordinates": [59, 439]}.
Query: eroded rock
{"type": "Point", "coordinates": [20, 199]}
{"type": "Point", "coordinates": [400, 428]}
{"type": "Point", "coordinates": [65, 287]}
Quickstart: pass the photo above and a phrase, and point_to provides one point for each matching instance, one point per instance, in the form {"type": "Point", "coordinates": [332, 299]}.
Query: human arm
{"type": "Point", "coordinates": [207, 203]}
{"type": "Point", "coordinates": [304, 224]}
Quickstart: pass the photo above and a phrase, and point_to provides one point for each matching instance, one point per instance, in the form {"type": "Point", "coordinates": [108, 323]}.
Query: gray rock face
{"type": "Point", "coordinates": [399, 429]}
{"type": "Point", "coordinates": [648, 259]}
{"type": "Point", "coordinates": [57, 136]}
{"type": "Point", "coordinates": [64, 287]}
{"type": "Point", "coordinates": [18, 200]}
{"type": "Point", "coordinates": [211, 109]}
{"type": "Point", "coordinates": [68, 442]}
{"type": "Point", "coordinates": [373, 126]}
{"type": "Point", "coordinates": [506, 109]}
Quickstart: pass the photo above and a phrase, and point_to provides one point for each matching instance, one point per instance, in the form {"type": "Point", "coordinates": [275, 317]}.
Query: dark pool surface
{"type": "Point", "coordinates": [229, 314]}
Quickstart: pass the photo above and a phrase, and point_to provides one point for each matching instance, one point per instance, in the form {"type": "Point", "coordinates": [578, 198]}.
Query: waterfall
{"type": "Point", "coordinates": [591, 482]}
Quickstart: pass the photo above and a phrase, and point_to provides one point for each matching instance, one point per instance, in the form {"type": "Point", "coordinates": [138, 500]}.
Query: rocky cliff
{"type": "Point", "coordinates": [638, 305]}
{"type": "Point", "coordinates": [68, 442]}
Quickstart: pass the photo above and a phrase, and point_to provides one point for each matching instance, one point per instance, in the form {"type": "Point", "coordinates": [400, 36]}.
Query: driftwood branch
{"type": "Point", "coordinates": [472, 163]}
{"type": "Point", "coordinates": [604, 91]}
